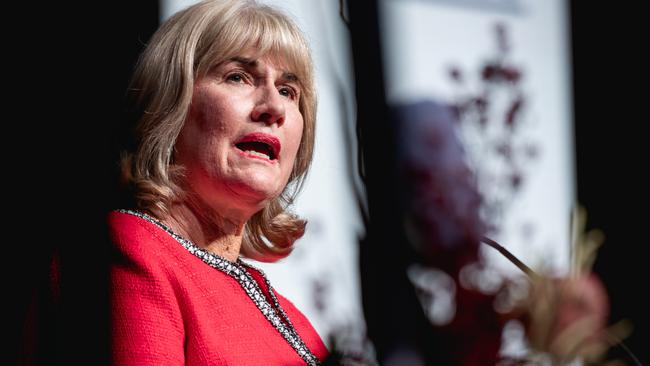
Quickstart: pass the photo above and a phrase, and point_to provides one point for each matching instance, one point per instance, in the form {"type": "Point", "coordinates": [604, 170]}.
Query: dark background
{"type": "Point", "coordinates": [66, 72]}
{"type": "Point", "coordinates": [70, 64]}
{"type": "Point", "coordinates": [610, 99]}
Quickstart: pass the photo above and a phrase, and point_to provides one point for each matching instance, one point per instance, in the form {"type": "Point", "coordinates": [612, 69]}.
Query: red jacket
{"type": "Point", "coordinates": [170, 308]}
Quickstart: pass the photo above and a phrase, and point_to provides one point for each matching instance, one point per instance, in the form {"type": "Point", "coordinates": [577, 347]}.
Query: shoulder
{"type": "Point", "coordinates": [141, 246]}
{"type": "Point", "coordinates": [146, 320]}
{"type": "Point", "coordinates": [134, 236]}
{"type": "Point", "coordinates": [126, 227]}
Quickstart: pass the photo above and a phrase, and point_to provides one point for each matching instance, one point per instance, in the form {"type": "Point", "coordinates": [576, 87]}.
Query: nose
{"type": "Point", "coordinates": [269, 107]}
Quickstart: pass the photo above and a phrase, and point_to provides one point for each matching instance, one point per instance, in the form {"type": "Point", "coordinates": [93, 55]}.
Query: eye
{"type": "Point", "coordinates": [289, 92]}
{"type": "Point", "coordinates": [236, 77]}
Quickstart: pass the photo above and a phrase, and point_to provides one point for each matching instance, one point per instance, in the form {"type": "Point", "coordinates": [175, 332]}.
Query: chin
{"type": "Point", "coordinates": [261, 191]}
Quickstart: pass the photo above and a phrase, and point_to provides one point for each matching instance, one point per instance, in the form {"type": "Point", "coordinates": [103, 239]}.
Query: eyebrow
{"type": "Point", "coordinates": [252, 63]}
{"type": "Point", "coordinates": [245, 61]}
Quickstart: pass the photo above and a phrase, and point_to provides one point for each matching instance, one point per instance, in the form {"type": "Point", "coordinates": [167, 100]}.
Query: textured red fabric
{"type": "Point", "coordinates": [170, 308]}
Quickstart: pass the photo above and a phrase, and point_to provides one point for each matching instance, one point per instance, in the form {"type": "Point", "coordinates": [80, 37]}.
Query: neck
{"type": "Point", "coordinates": [220, 232]}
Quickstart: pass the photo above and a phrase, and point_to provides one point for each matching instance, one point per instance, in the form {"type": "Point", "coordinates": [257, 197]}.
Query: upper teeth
{"type": "Point", "coordinates": [256, 153]}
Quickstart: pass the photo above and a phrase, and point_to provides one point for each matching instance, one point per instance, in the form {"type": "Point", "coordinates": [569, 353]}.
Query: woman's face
{"type": "Point", "coordinates": [242, 133]}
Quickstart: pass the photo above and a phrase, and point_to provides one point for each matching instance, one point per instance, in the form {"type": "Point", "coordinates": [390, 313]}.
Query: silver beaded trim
{"type": "Point", "coordinates": [238, 271]}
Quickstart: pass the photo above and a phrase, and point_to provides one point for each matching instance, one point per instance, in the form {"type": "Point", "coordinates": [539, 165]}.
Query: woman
{"type": "Point", "coordinates": [225, 136]}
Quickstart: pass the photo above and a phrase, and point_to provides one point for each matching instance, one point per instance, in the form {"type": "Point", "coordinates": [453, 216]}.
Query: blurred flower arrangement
{"type": "Point", "coordinates": [565, 319]}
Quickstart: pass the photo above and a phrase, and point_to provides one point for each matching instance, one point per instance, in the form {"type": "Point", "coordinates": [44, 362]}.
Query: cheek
{"type": "Point", "coordinates": [204, 137]}
{"type": "Point", "coordinates": [294, 135]}
{"type": "Point", "coordinates": [212, 121]}
{"type": "Point", "coordinates": [207, 111]}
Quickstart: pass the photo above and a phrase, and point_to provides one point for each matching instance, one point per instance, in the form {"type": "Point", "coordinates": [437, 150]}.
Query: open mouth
{"type": "Point", "coordinates": [260, 145]}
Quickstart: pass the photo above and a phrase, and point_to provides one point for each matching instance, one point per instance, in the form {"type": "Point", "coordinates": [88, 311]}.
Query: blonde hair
{"type": "Point", "coordinates": [185, 48]}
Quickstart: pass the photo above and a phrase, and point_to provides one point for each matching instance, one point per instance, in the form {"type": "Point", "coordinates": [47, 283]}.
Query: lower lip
{"type": "Point", "coordinates": [249, 155]}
